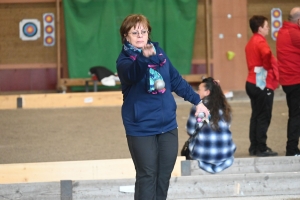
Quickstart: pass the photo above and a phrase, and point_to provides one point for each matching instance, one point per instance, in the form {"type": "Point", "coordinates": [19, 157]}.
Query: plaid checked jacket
{"type": "Point", "coordinates": [214, 150]}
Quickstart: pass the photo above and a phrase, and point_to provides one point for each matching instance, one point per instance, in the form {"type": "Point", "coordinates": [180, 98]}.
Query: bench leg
{"type": "Point", "coordinates": [86, 86]}
{"type": "Point", "coordinates": [95, 86]}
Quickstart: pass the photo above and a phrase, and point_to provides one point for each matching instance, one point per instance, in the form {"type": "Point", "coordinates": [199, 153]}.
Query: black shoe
{"type": "Point", "coordinates": [266, 153]}
{"type": "Point", "coordinates": [252, 153]}
{"type": "Point", "coordinates": [297, 153]}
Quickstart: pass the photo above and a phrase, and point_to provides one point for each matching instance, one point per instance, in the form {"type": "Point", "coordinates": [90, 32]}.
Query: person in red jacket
{"type": "Point", "coordinates": [288, 54]}
{"type": "Point", "coordinates": [261, 82]}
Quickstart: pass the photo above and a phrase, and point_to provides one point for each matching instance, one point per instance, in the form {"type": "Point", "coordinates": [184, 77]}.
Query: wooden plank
{"type": "Point", "coordinates": [28, 66]}
{"type": "Point", "coordinates": [8, 101]}
{"type": "Point", "coordinates": [194, 78]}
{"type": "Point", "coordinates": [66, 82]}
{"type": "Point", "coordinates": [79, 81]}
{"type": "Point", "coordinates": [27, 1]}
{"type": "Point", "coordinates": [70, 100]}
{"type": "Point", "coordinates": [248, 165]}
{"type": "Point", "coordinates": [72, 170]}
{"type": "Point", "coordinates": [58, 46]}
{"type": "Point", "coordinates": [63, 100]}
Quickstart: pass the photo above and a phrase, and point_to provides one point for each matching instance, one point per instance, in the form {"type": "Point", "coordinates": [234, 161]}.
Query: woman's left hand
{"type": "Point", "coordinates": [201, 108]}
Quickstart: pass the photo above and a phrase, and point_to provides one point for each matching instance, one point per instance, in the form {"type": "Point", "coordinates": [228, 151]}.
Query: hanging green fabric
{"type": "Point", "coordinates": [92, 31]}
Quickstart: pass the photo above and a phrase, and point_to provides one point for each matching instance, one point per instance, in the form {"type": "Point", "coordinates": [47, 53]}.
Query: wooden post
{"type": "Point", "coordinates": [58, 42]}
{"type": "Point", "coordinates": [207, 38]}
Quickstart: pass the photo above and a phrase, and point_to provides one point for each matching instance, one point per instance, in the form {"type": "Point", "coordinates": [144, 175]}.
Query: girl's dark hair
{"type": "Point", "coordinates": [257, 21]}
{"type": "Point", "coordinates": [216, 100]}
{"type": "Point", "coordinates": [132, 21]}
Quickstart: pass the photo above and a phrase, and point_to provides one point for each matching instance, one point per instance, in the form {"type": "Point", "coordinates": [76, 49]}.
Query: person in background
{"type": "Point", "coordinates": [149, 109]}
{"type": "Point", "coordinates": [261, 82]}
{"type": "Point", "coordinates": [288, 54]}
{"type": "Point", "coordinates": [211, 141]}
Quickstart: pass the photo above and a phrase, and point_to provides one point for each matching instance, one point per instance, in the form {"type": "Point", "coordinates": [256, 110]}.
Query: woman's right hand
{"type": "Point", "coordinates": [148, 50]}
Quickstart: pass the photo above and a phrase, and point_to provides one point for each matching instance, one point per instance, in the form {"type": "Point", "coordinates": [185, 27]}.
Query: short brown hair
{"type": "Point", "coordinates": [257, 21]}
{"type": "Point", "coordinates": [131, 21]}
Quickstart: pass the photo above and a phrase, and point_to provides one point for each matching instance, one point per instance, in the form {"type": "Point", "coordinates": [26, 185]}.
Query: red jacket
{"type": "Point", "coordinates": [258, 53]}
{"type": "Point", "coordinates": [288, 54]}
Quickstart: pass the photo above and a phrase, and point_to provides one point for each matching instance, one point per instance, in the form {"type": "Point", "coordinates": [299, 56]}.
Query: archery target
{"type": "Point", "coordinates": [29, 29]}
{"type": "Point", "coordinates": [276, 22]}
{"type": "Point", "coordinates": [49, 29]}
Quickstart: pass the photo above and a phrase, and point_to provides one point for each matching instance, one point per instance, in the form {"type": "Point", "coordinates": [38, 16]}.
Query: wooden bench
{"type": "Point", "coordinates": [194, 78]}
{"type": "Point", "coordinates": [67, 82]}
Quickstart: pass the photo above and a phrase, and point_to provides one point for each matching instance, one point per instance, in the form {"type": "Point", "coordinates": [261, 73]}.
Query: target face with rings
{"type": "Point", "coordinates": [48, 18]}
{"type": "Point", "coordinates": [49, 29]}
{"type": "Point", "coordinates": [29, 29]}
{"type": "Point", "coordinates": [276, 22]}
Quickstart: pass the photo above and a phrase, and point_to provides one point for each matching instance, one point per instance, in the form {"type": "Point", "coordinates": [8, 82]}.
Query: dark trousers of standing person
{"type": "Point", "coordinates": [154, 158]}
{"type": "Point", "coordinates": [261, 105]}
{"type": "Point", "coordinates": [293, 128]}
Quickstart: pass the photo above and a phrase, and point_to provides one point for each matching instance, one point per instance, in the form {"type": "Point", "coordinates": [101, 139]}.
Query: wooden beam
{"type": "Point", "coordinates": [73, 170]}
{"type": "Point", "coordinates": [78, 81]}
{"type": "Point", "coordinates": [28, 66]}
{"type": "Point", "coordinates": [58, 75]}
{"type": "Point", "coordinates": [207, 38]}
{"type": "Point", "coordinates": [200, 61]}
{"type": "Point", "coordinates": [66, 82]}
{"type": "Point", "coordinates": [63, 100]}
{"type": "Point", "coordinates": [193, 78]}
{"type": "Point", "coordinates": [27, 1]}
{"type": "Point", "coordinates": [8, 102]}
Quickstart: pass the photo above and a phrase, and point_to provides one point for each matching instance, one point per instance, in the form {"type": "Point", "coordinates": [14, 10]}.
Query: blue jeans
{"type": "Point", "coordinates": [154, 158]}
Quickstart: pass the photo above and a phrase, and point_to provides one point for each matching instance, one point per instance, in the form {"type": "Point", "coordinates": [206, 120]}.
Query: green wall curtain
{"type": "Point", "coordinates": [92, 31]}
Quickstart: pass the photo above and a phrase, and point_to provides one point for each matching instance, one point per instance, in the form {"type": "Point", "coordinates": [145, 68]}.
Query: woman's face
{"type": "Point", "coordinates": [202, 91]}
{"type": "Point", "coordinates": [138, 36]}
{"type": "Point", "coordinates": [264, 31]}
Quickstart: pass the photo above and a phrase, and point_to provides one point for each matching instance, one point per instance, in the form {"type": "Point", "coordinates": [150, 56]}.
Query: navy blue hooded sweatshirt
{"type": "Point", "coordinates": [144, 113]}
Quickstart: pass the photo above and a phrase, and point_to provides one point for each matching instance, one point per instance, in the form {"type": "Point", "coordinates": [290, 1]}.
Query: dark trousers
{"type": "Point", "coordinates": [293, 127]}
{"type": "Point", "coordinates": [154, 158]}
{"type": "Point", "coordinates": [261, 105]}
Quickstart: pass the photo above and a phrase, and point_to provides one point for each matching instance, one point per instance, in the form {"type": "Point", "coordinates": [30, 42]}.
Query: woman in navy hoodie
{"type": "Point", "coordinates": [148, 79]}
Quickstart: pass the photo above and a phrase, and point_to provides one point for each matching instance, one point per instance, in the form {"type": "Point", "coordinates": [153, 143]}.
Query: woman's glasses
{"type": "Point", "coordinates": [136, 33]}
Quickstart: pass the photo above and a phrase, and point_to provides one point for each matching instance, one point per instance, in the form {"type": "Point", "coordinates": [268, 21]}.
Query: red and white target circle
{"type": "Point", "coordinates": [49, 29]}
{"type": "Point", "coordinates": [48, 18]}
{"type": "Point", "coordinates": [275, 34]}
{"type": "Point", "coordinates": [49, 40]}
{"type": "Point", "coordinates": [276, 13]}
{"type": "Point", "coordinates": [276, 22]}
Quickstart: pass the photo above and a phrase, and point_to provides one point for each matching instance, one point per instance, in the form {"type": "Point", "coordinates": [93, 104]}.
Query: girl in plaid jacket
{"type": "Point", "coordinates": [210, 137]}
